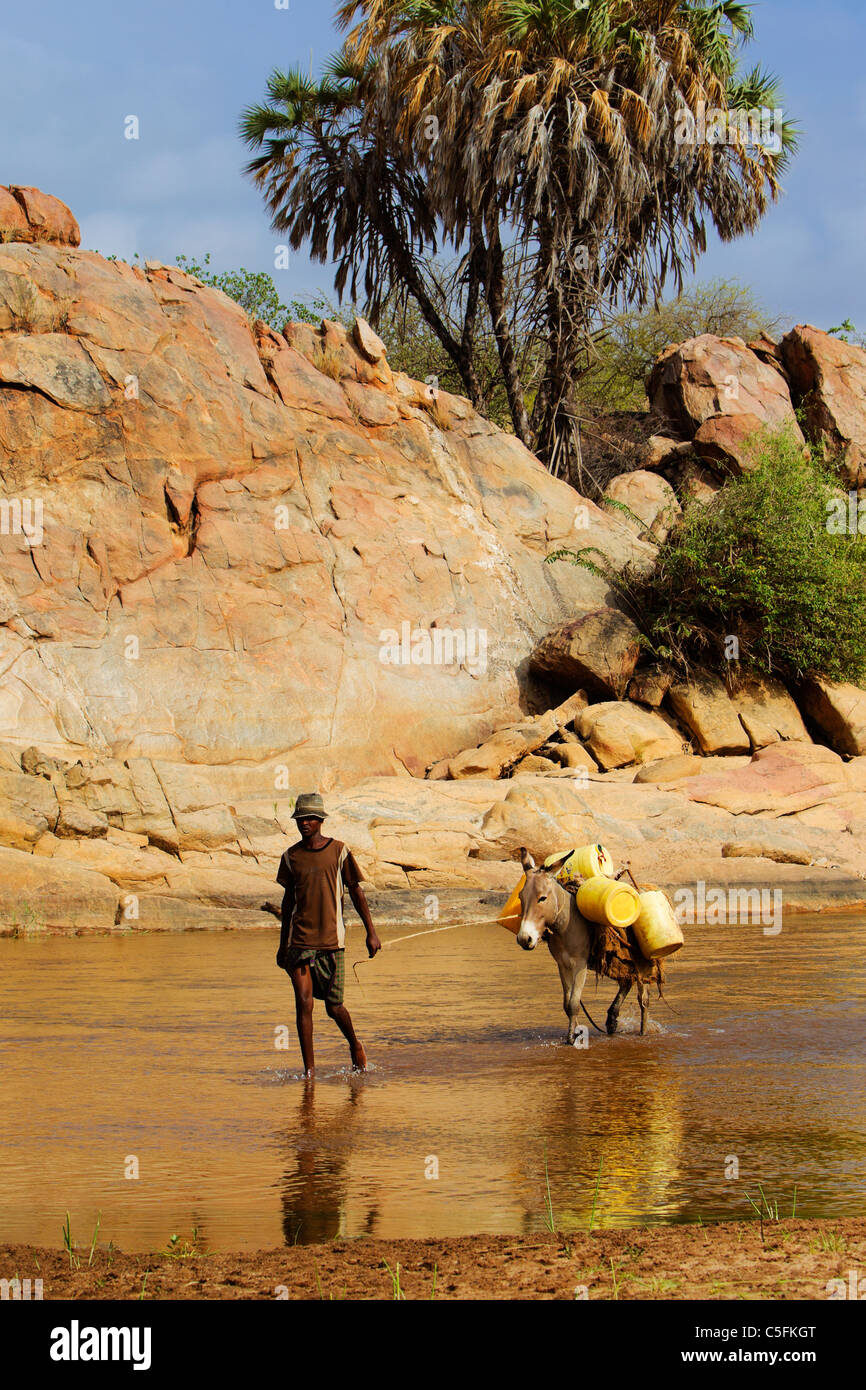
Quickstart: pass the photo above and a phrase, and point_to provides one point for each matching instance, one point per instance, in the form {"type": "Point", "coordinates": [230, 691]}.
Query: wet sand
{"type": "Point", "coordinates": [794, 1260]}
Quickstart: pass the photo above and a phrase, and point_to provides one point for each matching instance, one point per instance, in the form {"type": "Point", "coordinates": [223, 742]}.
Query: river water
{"type": "Point", "coordinates": [165, 1056]}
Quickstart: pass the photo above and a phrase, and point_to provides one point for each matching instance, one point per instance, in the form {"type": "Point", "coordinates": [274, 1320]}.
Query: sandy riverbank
{"type": "Point", "coordinates": [795, 1259]}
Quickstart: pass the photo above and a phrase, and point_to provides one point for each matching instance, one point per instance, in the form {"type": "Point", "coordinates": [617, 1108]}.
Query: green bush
{"type": "Point", "coordinates": [256, 293]}
{"type": "Point", "coordinates": [760, 564]}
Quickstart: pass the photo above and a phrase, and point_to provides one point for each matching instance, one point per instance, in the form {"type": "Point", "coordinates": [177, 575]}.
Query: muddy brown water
{"type": "Point", "coordinates": [163, 1055]}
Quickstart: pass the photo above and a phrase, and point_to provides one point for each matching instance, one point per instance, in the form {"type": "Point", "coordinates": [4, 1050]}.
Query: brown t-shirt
{"type": "Point", "coordinates": [318, 877]}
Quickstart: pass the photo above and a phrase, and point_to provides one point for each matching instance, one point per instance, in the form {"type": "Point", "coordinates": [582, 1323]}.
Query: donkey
{"type": "Point", "coordinates": [550, 914]}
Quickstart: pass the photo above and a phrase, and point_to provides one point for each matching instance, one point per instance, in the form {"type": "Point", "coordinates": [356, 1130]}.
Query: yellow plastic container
{"type": "Point", "coordinates": [512, 912]}
{"type": "Point", "coordinates": [657, 930]}
{"type": "Point", "coordinates": [587, 862]}
{"type": "Point", "coordinates": [608, 902]}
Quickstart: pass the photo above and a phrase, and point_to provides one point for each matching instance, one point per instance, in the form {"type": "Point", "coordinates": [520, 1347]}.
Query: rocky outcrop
{"type": "Point", "coordinates": [233, 546]}
{"type": "Point", "coordinates": [239, 563]}
{"type": "Point", "coordinates": [27, 214]}
{"type": "Point", "coordinates": [719, 395]}
{"type": "Point", "coordinates": [705, 708]}
{"type": "Point", "coordinates": [768, 713]}
{"type": "Point", "coordinates": [707, 376]}
{"type": "Point", "coordinates": [829, 377]}
{"type": "Point", "coordinates": [839, 709]}
{"type": "Point", "coordinates": [758, 713]}
{"type": "Point", "coordinates": [597, 651]}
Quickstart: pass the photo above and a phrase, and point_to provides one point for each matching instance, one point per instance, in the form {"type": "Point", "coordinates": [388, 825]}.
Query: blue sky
{"type": "Point", "coordinates": [71, 73]}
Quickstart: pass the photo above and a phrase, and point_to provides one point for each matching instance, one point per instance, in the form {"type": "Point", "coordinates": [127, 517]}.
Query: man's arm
{"type": "Point", "coordinates": [362, 907]}
{"type": "Point", "coordinates": [284, 878]}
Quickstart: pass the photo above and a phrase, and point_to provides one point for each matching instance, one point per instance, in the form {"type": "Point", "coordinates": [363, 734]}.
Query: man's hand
{"type": "Point", "coordinates": [373, 942]}
{"type": "Point", "coordinates": [281, 957]}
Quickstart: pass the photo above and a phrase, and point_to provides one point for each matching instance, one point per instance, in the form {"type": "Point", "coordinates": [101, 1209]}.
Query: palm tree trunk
{"type": "Point", "coordinates": [460, 351]}
{"type": "Point", "coordinates": [497, 303]}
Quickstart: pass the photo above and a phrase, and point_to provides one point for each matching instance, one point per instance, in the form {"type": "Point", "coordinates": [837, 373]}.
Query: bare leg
{"type": "Point", "coordinates": [302, 984]}
{"type": "Point", "coordinates": [343, 1019]}
{"type": "Point", "coordinates": [613, 1012]}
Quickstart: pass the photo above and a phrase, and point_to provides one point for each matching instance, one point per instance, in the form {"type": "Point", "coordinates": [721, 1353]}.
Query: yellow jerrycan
{"type": "Point", "coordinates": [511, 913]}
{"type": "Point", "coordinates": [656, 928]}
{"type": "Point", "coordinates": [608, 902]}
{"type": "Point", "coordinates": [587, 862]}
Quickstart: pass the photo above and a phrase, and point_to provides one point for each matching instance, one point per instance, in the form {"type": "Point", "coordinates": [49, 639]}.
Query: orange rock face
{"type": "Point", "coordinates": [225, 546]}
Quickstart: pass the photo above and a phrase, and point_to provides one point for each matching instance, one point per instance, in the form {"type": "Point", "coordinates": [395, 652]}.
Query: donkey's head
{"type": "Point", "coordinates": [541, 902]}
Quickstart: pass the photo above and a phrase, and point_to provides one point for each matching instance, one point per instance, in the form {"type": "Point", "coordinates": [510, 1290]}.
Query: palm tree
{"type": "Point", "coordinates": [538, 134]}
{"type": "Point", "coordinates": [559, 119]}
{"type": "Point", "coordinates": [331, 181]}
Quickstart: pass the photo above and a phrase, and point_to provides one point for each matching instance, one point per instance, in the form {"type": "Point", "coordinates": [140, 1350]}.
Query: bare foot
{"type": "Point", "coordinates": [359, 1057]}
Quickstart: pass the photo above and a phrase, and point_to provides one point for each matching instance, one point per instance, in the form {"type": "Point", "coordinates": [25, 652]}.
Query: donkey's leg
{"type": "Point", "coordinates": [572, 1003]}
{"type": "Point", "coordinates": [566, 978]}
{"type": "Point", "coordinates": [612, 1019]}
{"type": "Point", "coordinates": [643, 1000]}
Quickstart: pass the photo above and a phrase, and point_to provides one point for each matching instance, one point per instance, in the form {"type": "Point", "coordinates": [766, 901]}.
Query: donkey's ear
{"type": "Point", "coordinates": [526, 860]}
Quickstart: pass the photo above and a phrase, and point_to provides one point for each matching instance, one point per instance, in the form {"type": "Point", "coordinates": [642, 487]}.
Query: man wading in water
{"type": "Point", "coordinates": [314, 873]}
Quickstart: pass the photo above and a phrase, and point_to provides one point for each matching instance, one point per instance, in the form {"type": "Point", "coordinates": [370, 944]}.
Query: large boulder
{"type": "Point", "coordinates": [651, 499]}
{"type": "Point", "coordinates": [709, 376]}
{"type": "Point", "coordinates": [619, 733]}
{"type": "Point", "coordinates": [28, 214]}
{"type": "Point", "coordinates": [839, 709]}
{"type": "Point", "coordinates": [704, 706]}
{"type": "Point", "coordinates": [505, 748]}
{"type": "Point", "coordinates": [649, 687]}
{"type": "Point", "coordinates": [829, 376]}
{"type": "Point", "coordinates": [730, 442]}
{"type": "Point", "coordinates": [768, 713]}
{"type": "Point", "coordinates": [598, 651]}
{"type": "Point", "coordinates": [544, 814]}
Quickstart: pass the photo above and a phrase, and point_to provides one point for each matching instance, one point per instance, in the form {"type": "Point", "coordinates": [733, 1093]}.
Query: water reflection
{"type": "Point", "coordinates": [320, 1140]}
{"type": "Point", "coordinates": [623, 1162]}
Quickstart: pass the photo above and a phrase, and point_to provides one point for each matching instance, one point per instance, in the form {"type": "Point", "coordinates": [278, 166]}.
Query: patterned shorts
{"type": "Point", "coordinates": [327, 970]}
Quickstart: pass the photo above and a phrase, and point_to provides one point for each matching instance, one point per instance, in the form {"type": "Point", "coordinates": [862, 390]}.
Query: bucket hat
{"type": "Point", "coordinates": [309, 804]}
